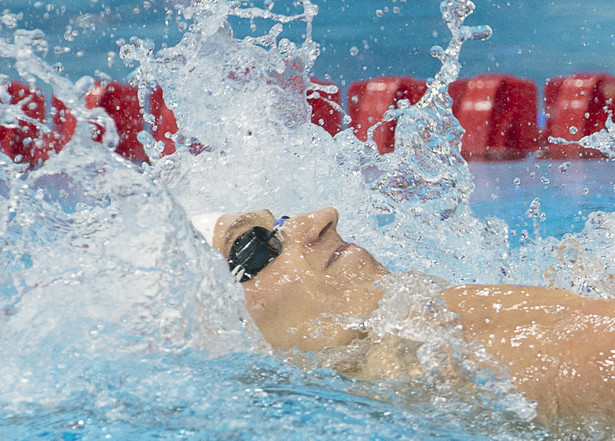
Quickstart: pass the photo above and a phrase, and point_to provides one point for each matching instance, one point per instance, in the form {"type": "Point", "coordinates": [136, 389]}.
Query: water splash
{"type": "Point", "coordinates": [103, 267]}
{"type": "Point", "coordinates": [603, 140]}
{"type": "Point", "coordinates": [88, 236]}
{"type": "Point", "coordinates": [426, 182]}
{"type": "Point", "coordinates": [427, 166]}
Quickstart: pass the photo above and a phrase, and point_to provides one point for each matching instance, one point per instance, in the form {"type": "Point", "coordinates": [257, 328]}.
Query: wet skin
{"type": "Point", "coordinates": [317, 273]}
{"type": "Point", "coordinates": [559, 347]}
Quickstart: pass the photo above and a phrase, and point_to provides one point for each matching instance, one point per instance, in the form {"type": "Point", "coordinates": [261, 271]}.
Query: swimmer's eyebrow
{"type": "Point", "coordinates": [238, 226]}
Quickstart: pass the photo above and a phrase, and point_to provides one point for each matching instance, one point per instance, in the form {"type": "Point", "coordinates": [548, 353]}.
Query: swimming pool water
{"type": "Point", "coordinates": [73, 380]}
{"type": "Point", "coordinates": [567, 191]}
{"type": "Point", "coordinates": [533, 39]}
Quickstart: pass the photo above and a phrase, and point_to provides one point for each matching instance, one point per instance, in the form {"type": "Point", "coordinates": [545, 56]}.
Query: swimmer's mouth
{"type": "Point", "coordinates": [337, 253]}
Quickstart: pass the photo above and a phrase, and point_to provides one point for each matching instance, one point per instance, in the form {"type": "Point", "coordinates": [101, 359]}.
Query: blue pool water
{"type": "Point", "coordinates": [568, 191]}
{"type": "Point", "coordinates": [535, 39]}
{"type": "Point", "coordinates": [119, 323]}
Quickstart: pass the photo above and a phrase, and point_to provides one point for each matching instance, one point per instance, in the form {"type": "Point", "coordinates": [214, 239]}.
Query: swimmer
{"type": "Point", "coordinates": [296, 272]}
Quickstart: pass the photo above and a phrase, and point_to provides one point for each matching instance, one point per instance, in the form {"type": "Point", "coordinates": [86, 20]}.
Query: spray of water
{"type": "Point", "coordinates": [602, 140]}
{"type": "Point", "coordinates": [102, 264]}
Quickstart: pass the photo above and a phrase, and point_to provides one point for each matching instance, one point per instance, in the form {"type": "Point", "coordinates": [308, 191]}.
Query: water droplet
{"type": "Point", "coordinates": [404, 104]}
{"type": "Point", "coordinates": [545, 180]}
{"type": "Point", "coordinates": [348, 120]}
{"type": "Point", "coordinates": [535, 205]}
{"type": "Point", "coordinates": [70, 34]}
{"type": "Point", "coordinates": [354, 51]}
{"type": "Point", "coordinates": [564, 167]}
{"type": "Point", "coordinates": [534, 209]}
{"type": "Point", "coordinates": [316, 333]}
{"type": "Point", "coordinates": [517, 181]}
{"type": "Point", "coordinates": [110, 58]}
{"type": "Point", "coordinates": [573, 130]}
{"type": "Point", "coordinates": [396, 10]}
{"type": "Point", "coordinates": [379, 12]}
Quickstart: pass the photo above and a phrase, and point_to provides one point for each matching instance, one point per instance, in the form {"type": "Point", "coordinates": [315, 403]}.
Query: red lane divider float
{"type": "Point", "coordinates": [164, 121]}
{"type": "Point", "coordinates": [577, 106]}
{"type": "Point", "coordinates": [64, 124]}
{"type": "Point", "coordinates": [120, 101]}
{"type": "Point", "coordinates": [324, 113]}
{"type": "Point", "coordinates": [18, 142]}
{"type": "Point", "coordinates": [368, 100]}
{"type": "Point", "coordinates": [499, 115]}
{"type": "Point", "coordinates": [23, 142]}
{"type": "Point", "coordinates": [498, 112]}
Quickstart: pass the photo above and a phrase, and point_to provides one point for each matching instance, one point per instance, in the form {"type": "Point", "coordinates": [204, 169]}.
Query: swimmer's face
{"type": "Point", "coordinates": [317, 275]}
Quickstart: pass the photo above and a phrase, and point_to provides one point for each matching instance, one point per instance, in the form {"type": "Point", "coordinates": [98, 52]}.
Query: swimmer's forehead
{"type": "Point", "coordinates": [230, 226]}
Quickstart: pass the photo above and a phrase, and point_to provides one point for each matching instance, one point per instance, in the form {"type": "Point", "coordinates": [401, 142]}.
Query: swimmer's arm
{"type": "Point", "coordinates": [559, 346]}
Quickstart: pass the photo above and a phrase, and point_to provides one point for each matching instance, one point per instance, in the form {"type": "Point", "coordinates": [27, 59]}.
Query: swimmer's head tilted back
{"type": "Point", "coordinates": [302, 288]}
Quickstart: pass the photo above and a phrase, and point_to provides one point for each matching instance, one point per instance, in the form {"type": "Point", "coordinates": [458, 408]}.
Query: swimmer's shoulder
{"type": "Point", "coordinates": [503, 292]}
{"type": "Point", "coordinates": [515, 304]}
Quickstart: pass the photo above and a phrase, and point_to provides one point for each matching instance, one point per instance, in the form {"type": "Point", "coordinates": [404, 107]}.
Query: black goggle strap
{"type": "Point", "coordinates": [253, 250]}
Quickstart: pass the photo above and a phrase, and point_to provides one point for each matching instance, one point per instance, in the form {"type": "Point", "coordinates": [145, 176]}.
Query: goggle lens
{"type": "Point", "coordinates": [253, 250]}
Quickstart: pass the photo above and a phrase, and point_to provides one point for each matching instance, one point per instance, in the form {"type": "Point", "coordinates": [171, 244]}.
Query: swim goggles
{"type": "Point", "coordinates": [253, 250]}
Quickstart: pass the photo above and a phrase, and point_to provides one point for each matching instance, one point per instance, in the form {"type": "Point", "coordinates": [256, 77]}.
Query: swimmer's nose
{"type": "Point", "coordinates": [310, 227]}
